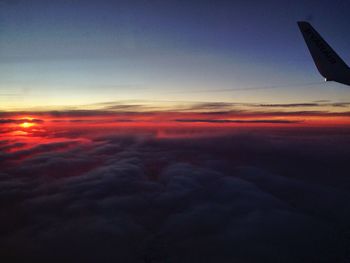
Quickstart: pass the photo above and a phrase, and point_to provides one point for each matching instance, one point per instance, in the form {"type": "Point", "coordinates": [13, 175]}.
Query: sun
{"type": "Point", "coordinates": [26, 124]}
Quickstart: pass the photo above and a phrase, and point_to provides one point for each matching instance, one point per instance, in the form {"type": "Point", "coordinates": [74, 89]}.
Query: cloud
{"type": "Point", "coordinates": [19, 121]}
{"type": "Point", "coordinates": [6, 145]}
{"type": "Point", "coordinates": [41, 148]}
{"type": "Point", "coordinates": [220, 112]}
{"type": "Point", "coordinates": [291, 105]}
{"type": "Point", "coordinates": [321, 103]}
{"type": "Point", "coordinates": [252, 196]}
{"type": "Point", "coordinates": [208, 106]}
{"type": "Point", "coordinates": [239, 121]}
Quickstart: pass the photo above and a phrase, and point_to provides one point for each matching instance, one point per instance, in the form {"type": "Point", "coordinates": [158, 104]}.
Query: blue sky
{"type": "Point", "coordinates": [80, 52]}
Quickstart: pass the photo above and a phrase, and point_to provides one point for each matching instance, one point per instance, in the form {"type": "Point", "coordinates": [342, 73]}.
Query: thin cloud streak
{"type": "Point", "coordinates": [250, 88]}
{"type": "Point", "coordinates": [238, 121]}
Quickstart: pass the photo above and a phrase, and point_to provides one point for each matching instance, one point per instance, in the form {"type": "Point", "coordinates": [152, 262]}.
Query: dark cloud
{"type": "Point", "coordinates": [124, 107]}
{"type": "Point", "coordinates": [6, 145]}
{"type": "Point", "coordinates": [19, 121]}
{"type": "Point", "coordinates": [254, 196]}
{"type": "Point", "coordinates": [41, 148]}
{"type": "Point", "coordinates": [238, 121]}
{"type": "Point", "coordinates": [310, 113]}
{"type": "Point", "coordinates": [205, 106]}
{"type": "Point", "coordinates": [340, 104]}
{"type": "Point", "coordinates": [290, 105]}
{"type": "Point", "coordinates": [313, 104]}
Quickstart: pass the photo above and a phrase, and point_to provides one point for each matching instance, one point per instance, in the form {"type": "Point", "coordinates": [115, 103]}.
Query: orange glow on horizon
{"type": "Point", "coordinates": [24, 132]}
{"type": "Point", "coordinates": [27, 118]}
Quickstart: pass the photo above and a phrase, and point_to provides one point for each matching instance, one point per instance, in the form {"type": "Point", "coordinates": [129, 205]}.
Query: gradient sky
{"type": "Point", "coordinates": [171, 131]}
{"type": "Point", "coordinates": [60, 53]}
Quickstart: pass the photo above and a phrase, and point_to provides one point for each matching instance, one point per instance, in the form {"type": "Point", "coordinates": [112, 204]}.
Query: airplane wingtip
{"type": "Point", "coordinates": [328, 62]}
{"type": "Point", "coordinates": [303, 23]}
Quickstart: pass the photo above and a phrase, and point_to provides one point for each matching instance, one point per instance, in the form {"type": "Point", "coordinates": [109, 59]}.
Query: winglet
{"type": "Point", "coordinates": [327, 61]}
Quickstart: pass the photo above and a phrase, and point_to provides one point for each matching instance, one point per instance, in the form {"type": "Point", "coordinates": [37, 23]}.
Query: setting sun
{"type": "Point", "coordinates": [26, 124]}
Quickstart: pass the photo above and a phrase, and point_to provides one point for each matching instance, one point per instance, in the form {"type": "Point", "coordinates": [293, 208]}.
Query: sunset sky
{"type": "Point", "coordinates": [55, 54]}
{"type": "Point", "coordinates": [172, 131]}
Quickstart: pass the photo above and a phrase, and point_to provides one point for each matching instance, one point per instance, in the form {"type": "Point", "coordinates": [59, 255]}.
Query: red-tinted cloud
{"type": "Point", "coordinates": [90, 189]}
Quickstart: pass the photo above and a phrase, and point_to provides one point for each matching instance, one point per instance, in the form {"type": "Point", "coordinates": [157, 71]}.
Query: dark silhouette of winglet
{"type": "Point", "coordinates": [327, 61]}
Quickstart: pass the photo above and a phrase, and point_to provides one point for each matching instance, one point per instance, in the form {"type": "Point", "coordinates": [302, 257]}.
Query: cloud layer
{"type": "Point", "coordinates": [272, 195]}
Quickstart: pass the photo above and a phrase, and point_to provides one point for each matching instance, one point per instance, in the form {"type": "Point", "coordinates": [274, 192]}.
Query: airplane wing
{"type": "Point", "coordinates": [327, 61]}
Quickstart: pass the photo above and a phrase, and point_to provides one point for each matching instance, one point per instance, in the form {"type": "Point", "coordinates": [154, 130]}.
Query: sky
{"type": "Point", "coordinates": [55, 54]}
{"type": "Point", "coordinates": [171, 131]}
